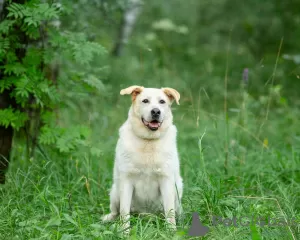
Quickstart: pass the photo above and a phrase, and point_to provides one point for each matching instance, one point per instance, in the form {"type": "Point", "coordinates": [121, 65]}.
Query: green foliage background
{"type": "Point", "coordinates": [238, 137]}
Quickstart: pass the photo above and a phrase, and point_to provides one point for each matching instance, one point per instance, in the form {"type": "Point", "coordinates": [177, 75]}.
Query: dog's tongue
{"type": "Point", "coordinates": [154, 124]}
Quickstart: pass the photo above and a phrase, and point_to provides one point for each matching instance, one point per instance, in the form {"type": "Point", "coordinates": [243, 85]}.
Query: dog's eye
{"type": "Point", "coordinates": [145, 101]}
{"type": "Point", "coordinates": [162, 101]}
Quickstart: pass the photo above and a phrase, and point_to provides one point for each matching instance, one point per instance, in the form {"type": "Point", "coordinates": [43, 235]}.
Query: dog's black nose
{"type": "Point", "coordinates": [155, 112]}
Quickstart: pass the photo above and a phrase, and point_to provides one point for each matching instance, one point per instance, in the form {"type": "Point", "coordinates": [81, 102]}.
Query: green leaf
{"type": "Point", "coordinates": [54, 221]}
{"type": "Point", "coordinates": [83, 51]}
{"type": "Point", "coordinates": [70, 219]}
{"type": "Point", "coordinates": [11, 117]}
{"type": "Point", "coordinates": [6, 83]}
{"type": "Point", "coordinates": [6, 25]}
{"type": "Point", "coordinates": [255, 235]}
{"type": "Point", "coordinates": [95, 151]}
{"type": "Point", "coordinates": [48, 135]}
{"type": "Point", "coordinates": [15, 68]}
{"type": "Point", "coordinates": [67, 237]}
{"type": "Point", "coordinates": [16, 10]}
{"type": "Point", "coordinates": [94, 82]}
{"type": "Point", "coordinates": [4, 45]}
{"type": "Point", "coordinates": [33, 57]}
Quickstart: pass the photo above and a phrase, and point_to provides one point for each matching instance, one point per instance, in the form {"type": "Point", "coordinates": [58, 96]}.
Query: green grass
{"type": "Point", "coordinates": [63, 196]}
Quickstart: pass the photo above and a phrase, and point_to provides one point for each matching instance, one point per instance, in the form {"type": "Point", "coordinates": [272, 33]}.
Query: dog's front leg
{"type": "Point", "coordinates": [126, 190]}
{"type": "Point", "coordinates": [167, 190]}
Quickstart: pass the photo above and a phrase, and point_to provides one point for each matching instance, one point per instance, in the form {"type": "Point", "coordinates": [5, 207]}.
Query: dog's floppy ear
{"type": "Point", "coordinates": [133, 90]}
{"type": "Point", "coordinates": [172, 94]}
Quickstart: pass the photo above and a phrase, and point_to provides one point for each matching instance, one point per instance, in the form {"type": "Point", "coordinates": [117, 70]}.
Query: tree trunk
{"type": "Point", "coordinates": [6, 136]}
{"type": "Point", "coordinates": [129, 18]}
{"type": "Point", "coordinates": [6, 133]}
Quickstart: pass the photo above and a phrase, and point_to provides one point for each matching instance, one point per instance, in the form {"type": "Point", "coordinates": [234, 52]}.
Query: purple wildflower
{"type": "Point", "coordinates": [245, 76]}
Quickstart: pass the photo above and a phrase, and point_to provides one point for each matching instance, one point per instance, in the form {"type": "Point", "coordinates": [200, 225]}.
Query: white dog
{"type": "Point", "coordinates": [146, 170]}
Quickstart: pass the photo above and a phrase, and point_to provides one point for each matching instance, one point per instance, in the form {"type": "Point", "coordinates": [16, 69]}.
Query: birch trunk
{"type": "Point", "coordinates": [130, 16]}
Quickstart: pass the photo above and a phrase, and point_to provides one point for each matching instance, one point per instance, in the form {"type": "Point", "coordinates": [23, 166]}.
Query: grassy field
{"type": "Point", "coordinates": [242, 165]}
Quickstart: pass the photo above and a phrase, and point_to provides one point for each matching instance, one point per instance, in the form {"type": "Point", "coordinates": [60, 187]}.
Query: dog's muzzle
{"type": "Point", "coordinates": [153, 125]}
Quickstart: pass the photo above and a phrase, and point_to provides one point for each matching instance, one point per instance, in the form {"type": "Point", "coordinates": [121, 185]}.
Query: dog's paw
{"type": "Point", "coordinates": [124, 227]}
{"type": "Point", "coordinates": [108, 217]}
{"type": "Point", "coordinates": [171, 224]}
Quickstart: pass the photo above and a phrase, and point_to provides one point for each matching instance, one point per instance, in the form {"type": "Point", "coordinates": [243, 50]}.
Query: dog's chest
{"type": "Point", "coordinates": [148, 159]}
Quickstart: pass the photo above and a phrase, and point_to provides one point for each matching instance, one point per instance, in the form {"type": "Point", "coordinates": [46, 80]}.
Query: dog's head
{"type": "Point", "coordinates": [150, 114]}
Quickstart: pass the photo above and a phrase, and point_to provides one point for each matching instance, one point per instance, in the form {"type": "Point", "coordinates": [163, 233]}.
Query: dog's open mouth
{"type": "Point", "coordinates": [152, 125]}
